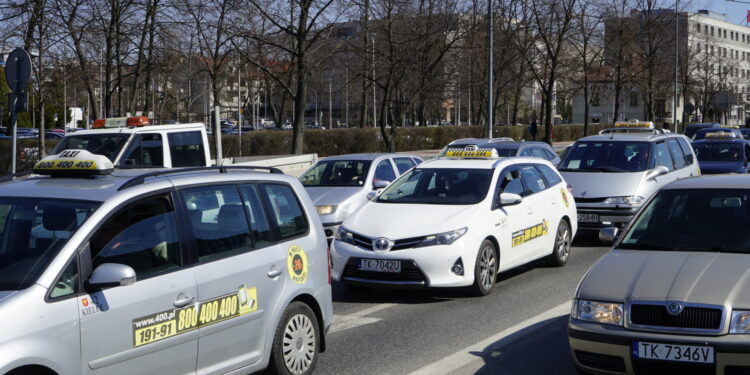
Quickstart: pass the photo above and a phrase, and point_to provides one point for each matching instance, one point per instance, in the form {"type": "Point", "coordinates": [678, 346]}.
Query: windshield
{"type": "Point", "coordinates": [606, 156]}
{"type": "Point", "coordinates": [439, 186]}
{"type": "Point", "coordinates": [32, 231]}
{"type": "Point", "coordinates": [337, 173]}
{"type": "Point", "coordinates": [108, 145]}
{"type": "Point", "coordinates": [718, 151]}
{"type": "Point", "coordinates": [693, 220]}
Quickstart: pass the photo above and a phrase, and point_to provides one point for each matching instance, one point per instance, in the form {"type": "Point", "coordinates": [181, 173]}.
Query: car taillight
{"type": "Point", "coordinates": [328, 252]}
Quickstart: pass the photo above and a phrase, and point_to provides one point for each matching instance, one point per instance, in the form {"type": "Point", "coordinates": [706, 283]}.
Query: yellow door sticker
{"type": "Point", "coordinates": [297, 264]}
{"type": "Point", "coordinates": [565, 197]}
{"type": "Point", "coordinates": [159, 326]}
{"type": "Point", "coordinates": [524, 235]}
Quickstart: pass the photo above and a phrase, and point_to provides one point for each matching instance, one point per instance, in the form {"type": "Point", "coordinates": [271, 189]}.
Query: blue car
{"type": "Point", "coordinates": [722, 152]}
{"type": "Point", "coordinates": [701, 133]}
{"type": "Point", "coordinates": [691, 129]}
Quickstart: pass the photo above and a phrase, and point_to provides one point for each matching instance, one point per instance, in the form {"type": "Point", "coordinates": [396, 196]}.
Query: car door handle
{"type": "Point", "coordinates": [183, 300]}
{"type": "Point", "coordinates": [273, 272]}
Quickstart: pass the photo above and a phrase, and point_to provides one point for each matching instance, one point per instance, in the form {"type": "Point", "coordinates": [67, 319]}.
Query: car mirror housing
{"type": "Point", "coordinates": [656, 172]}
{"type": "Point", "coordinates": [509, 199]}
{"type": "Point", "coordinates": [608, 235]}
{"type": "Point", "coordinates": [380, 184]}
{"type": "Point", "coordinates": [111, 274]}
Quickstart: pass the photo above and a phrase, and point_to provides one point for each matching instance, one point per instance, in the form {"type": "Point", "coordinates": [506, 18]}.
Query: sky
{"type": "Point", "coordinates": [736, 12]}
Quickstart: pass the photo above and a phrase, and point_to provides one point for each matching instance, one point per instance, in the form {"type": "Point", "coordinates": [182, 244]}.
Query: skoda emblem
{"type": "Point", "coordinates": [381, 244]}
{"type": "Point", "coordinates": [674, 308]}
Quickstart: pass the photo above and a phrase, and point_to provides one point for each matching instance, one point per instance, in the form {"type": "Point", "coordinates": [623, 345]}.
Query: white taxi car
{"type": "Point", "coordinates": [457, 221]}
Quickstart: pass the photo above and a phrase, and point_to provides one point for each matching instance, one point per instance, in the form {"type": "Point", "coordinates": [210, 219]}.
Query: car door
{"type": "Point", "coordinates": [537, 210]}
{"type": "Point", "coordinates": [239, 274]}
{"type": "Point", "coordinates": [511, 221]}
{"type": "Point", "coordinates": [140, 328]}
{"type": "Point", "coordinates": [681, 169]}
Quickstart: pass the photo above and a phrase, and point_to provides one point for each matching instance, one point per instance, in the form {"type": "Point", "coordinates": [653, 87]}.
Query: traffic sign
{"type": "Point", "coordinates": [18, 70]}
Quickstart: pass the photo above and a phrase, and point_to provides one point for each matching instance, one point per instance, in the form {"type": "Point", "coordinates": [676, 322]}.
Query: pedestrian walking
{"type": "Point", "coordinates": [533, 130]}
{"type": "Point", "coordinates": [665, 126]}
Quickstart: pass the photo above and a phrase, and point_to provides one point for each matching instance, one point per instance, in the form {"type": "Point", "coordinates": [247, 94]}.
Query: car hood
{"type": "Point", "coordinates": [331, 195]}
{"type": "Point", "coordinates": [697, 277]}
{"type": "Point", "coordinates": [716, 167]}
{"type": "Point", "coordinates": [602, 184]}
{"type": "Point", "coordinates": [402, 220]}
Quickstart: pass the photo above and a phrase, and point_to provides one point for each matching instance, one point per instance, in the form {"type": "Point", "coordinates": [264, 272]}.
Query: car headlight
{"type": "Point", "coordinates": [600, 312]}
{"type": "Point", "coordinates": [344, 235]}
{"type": "Point", "coordinates": [633, 199]}
{"type": "Point", "coordinates": [326, 209]}
{"type": "Point", "coordinates": [445, 238]}
{"type": "Point", "coordinates": [740, 322]}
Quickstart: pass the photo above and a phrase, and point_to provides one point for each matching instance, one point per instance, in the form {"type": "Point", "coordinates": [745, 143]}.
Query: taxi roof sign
{"type": "Point", "coordinates": [120, 122]}
{"type": "Point", "coordinates": [74, 163]}
{"type": "Point", "coordinates": [471, 152]}
{"type": "Point", "coordinates": [730, 126]}
{"type": "Point", "coordinates": [721, 136]}
{"type": "Point", "coordinates": [634, 124]}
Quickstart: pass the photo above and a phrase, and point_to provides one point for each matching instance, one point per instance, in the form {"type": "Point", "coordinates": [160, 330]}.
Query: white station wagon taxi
{"type": "Point", "coordinates": [172, 271]}
{"type": "Point", "coordinates": [457, 221]}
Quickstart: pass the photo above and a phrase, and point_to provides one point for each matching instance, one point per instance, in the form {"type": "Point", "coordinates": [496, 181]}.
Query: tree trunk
{"type": "Point", "coordinates": [585, 103]}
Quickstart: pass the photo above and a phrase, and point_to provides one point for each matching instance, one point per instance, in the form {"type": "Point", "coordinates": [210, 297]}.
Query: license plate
{"type": "Point", "coordinates": [673, 352]}
{"type": "Point", "coordinates": [379, 265]}
{"type": "Point", "coordinates": [588, 218]}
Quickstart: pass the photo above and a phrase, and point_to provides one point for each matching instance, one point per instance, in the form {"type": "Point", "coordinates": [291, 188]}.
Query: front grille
{"type": "Point", "coordinates": [601, 361]}
{"type": "Point", "coordinates": [409, 273]}
{"type": "Point", "coordinates": [589, 200]}
{"type": "Point", "coordinates": [690, 317]}
{"type": "Point", "coordinates": [362, 241]}
{"type": "Point", "coordinates": [644, 366]}
{"type": "Point", "coordinates": [407, 243]}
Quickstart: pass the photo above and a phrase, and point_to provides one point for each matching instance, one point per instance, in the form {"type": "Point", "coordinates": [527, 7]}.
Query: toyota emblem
{"type": "Point", "coordinates": [674, 308]}
{"type": "Point", "coordinates": [381, 244]}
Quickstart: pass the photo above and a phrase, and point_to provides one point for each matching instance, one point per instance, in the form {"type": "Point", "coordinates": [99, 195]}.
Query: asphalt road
{"type": "Point", "coordinates": [518, 329]}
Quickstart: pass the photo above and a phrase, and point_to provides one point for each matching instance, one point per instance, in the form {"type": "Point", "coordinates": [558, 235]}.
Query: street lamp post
{"type": "Point", "coordinates": [676, 61]}
{"type": "Point", "coordinates": [489, 69]}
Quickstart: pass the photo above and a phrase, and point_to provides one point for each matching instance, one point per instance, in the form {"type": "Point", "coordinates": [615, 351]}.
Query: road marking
{"type": "Point", "coordinates": [359, 318]}
{"type": "Point", "coordinates": [463, 357]}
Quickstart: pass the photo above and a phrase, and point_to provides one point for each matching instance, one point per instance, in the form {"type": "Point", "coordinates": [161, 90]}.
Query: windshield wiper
{"type": "Point", "coordinates": [716, 249]}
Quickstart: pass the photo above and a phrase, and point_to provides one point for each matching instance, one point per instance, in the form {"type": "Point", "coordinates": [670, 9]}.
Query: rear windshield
{"type": "Point", "coordinates": [108, 145]}
{"type": "Point", "coordinates": [713, 220]}
{"type": "Point", "coordinates": [718, 151]}
{"type": "Point", "coordinates": [32, 231]}
{"type": "Point", "coordinates": [606, 156]}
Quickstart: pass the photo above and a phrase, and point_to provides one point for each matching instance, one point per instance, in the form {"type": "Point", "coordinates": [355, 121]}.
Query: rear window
{"type": "Point", "coordinates": [186, 149]}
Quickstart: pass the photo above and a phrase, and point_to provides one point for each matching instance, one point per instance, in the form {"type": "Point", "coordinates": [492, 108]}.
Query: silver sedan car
{"type": "Point", "coordinates": [339, 185]}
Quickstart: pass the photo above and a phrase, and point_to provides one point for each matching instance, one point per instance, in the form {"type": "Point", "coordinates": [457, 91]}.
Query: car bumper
{"type": "Point", "coordinates": [422, 267]}
{"type": "Point", "coordinates": [607, 349]}
{"type": "Point", "coordinates": [598, 218]}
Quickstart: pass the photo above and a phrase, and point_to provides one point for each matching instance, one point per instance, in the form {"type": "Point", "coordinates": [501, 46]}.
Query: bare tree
{"type": "Point", "coordinates": [587, 42]}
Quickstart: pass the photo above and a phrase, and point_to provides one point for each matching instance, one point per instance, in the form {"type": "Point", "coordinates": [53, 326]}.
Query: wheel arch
{"type": "Point", "coordinates": [32, 370]}
{"type": "Point", "coordinates": [497, 249]}
{"type": "Point", "coordinates": [310, 301]}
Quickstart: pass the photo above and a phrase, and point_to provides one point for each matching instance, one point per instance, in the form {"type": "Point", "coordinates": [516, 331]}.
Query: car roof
{"type": "Point", "coordinates": [101, 188]}
{"type": "Point", "coordinates": [139, 129]}
{"type": "Point", "coordinates": [727, 181]}
{"type": "Point", "coordinates": [630, 137]}
{"type": "Point", "coordinates": [712, 130]}
{"type": "Point", "coordinates": [488, 163]}
{"type": "Point", "coordinates": [370, 156]}
{"type": "Point", "coordinates": [703, 124]}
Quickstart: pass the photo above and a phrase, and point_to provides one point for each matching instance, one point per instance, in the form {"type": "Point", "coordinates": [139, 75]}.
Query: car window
{"type": "Point", "coordinates": [337, 173]}
{"type": "Point", "coordinates": [286, 210]}
{"type": "Point", "coordinates": [606, 156]}
{"type": "Point", "coordinates": [677, 155]}
{"type": "Point", "coordinates": [142, 235]}
{"type": "Point", "coordinates": [108, 145]}
{"type": "Point", "coordinates": [550, 155]}
{"type": "Point", "coordinates": [384, 172]}
{"type": "Point", "coordinates": [526, 152]}
{"type": "Point", "coordinates": [662, 156]}
{"type": "Point", "coordinates": [686, 151]}
{"type": "Point", "coordinates": [403, 164]}
{"type": "Point", "coordinates": [532, 179]}
{"type": "Point", "coordinates": [67, 283]}
{"type": "Point", "coordinates": [511, 183]}
{"type": "Point", "coordinates": [417, 161]}
{"type": "Point", "coordinates": [539, 152]}
{"type": "Point", "coordinates": [186, 149]}
{"type": "Point", "coordinates": [550, 176]}
{"type": "Point", "coordinates": [719, 151]}
{"type": "Point", "coordinates": [219, 222]}
{"type": "Point", "coordinates": [145, 150]}
{"type": "Point", "coordinates": [260, 229]}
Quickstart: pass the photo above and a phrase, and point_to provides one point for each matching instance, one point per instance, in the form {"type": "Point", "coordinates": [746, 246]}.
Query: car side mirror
{"type": "Point", "coordinates": [656, 172]}
{"type": "Point", "coordinates": [111, 274]}
{"type": "Point", "coordinates": [372, 195]}
{"type": "Point", "coordinates": [380, 184]}
{"type": "Point", "coordinates": [509, 199]}
{"type": "Point", "coordinates": [608, 235]}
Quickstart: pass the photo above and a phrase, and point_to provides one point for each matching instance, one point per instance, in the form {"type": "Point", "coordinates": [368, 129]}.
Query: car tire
{"type": "Point", "coordinates": [485, 269]}
{"type": "Point", "coordinates": [561, 249]}
{"type": "Point", "coordinates": [296, 343]}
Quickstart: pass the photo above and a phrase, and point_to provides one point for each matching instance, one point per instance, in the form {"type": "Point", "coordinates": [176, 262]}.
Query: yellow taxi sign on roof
{"type": "Point", "coordinates": [634, 124]}
{"type": "Point", "coordinates": [730, 126]}
{"type": "Point", "coordinates": [721, 136]}
{"type": "Point", "coordinates": [74, 163]}
{"type": "Point", "coordinates": [471, 152]}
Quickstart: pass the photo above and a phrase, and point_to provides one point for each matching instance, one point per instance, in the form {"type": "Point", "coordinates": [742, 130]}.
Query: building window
{"type": "Point", "coordinates": [633, 99]}
{"type": "Point", "coordinates": [725, 33]}
{"type": "Point", "coordinates": [595, 98]}
{"type": "Point", "coordinates": [698, 27]}
{"type": "Point", "coordinates": [712, 31]}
